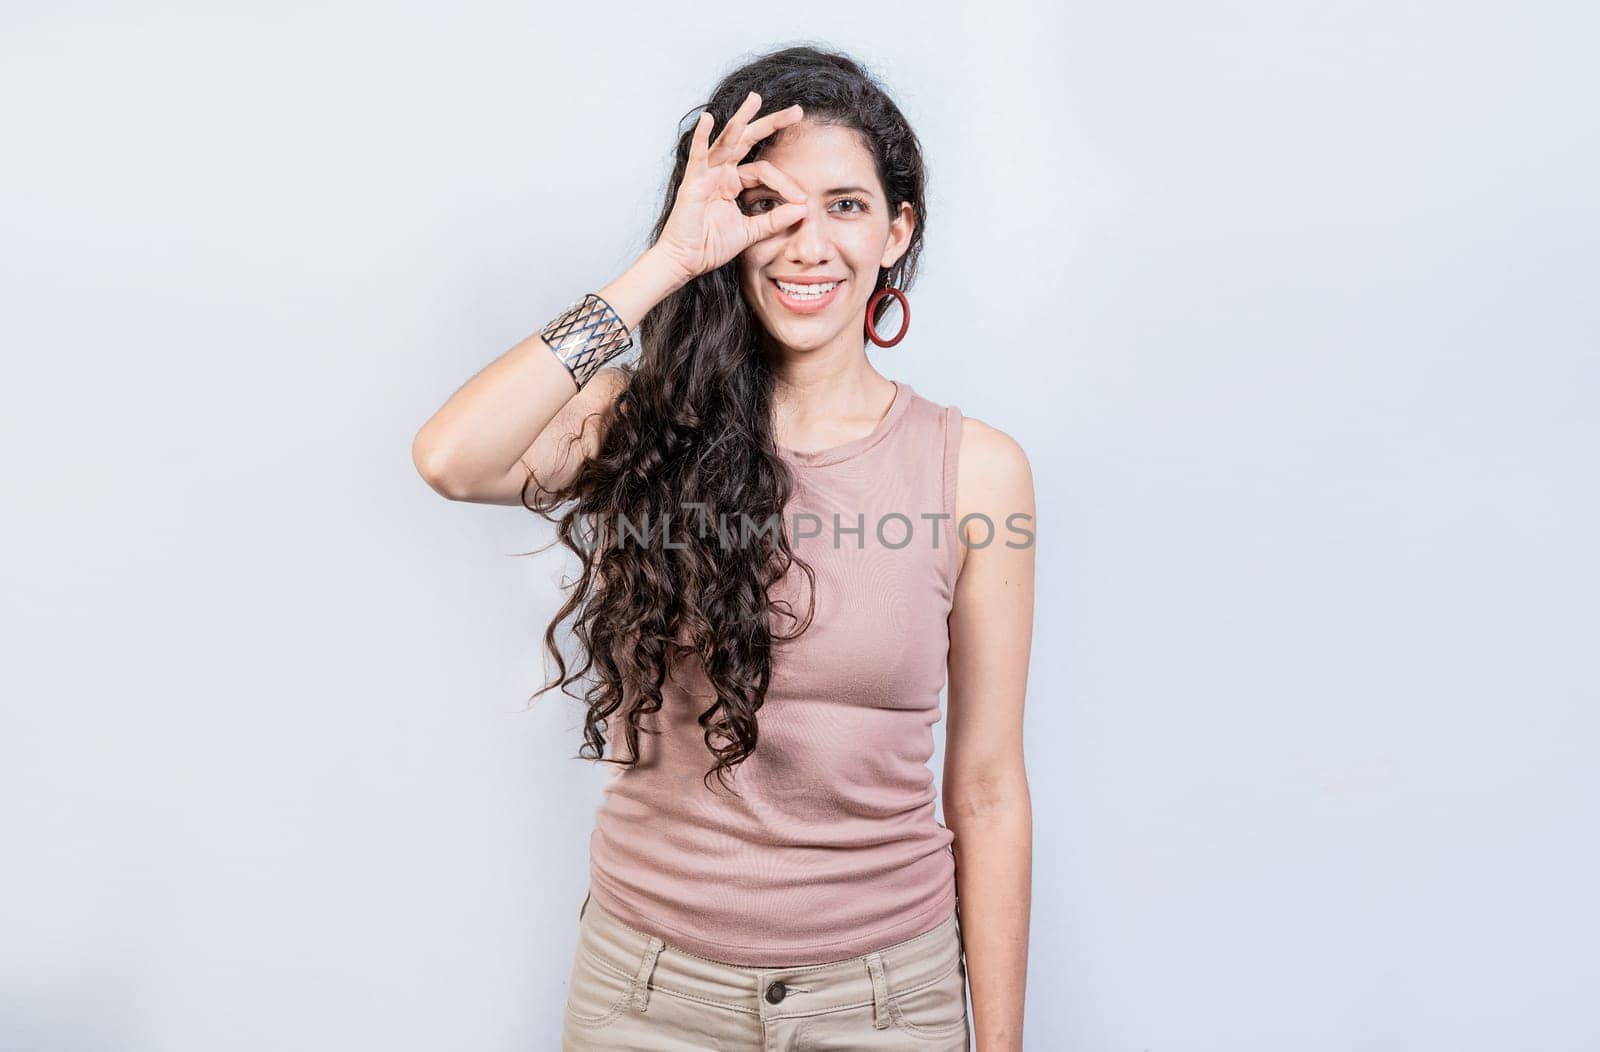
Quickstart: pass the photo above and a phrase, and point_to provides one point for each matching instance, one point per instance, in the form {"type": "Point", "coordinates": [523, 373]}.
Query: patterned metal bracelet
{"type": "Point", "coordinates": [585, 336]}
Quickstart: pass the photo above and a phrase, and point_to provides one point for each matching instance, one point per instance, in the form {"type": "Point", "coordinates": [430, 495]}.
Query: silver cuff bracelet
{"type": "Point", "coordinates": [585, 336]}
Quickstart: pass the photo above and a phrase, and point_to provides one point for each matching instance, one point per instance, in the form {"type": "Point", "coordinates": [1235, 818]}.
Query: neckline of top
{"type": "Point", "coordinates": [856, 446]}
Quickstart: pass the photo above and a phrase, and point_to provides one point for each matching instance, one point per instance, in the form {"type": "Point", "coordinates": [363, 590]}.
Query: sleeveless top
{"type": "Point", "coordinates": [832, 848]}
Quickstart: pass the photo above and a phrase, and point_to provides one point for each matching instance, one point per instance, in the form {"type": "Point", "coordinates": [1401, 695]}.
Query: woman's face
{"type": "Point", "coordinates": [846, 234]}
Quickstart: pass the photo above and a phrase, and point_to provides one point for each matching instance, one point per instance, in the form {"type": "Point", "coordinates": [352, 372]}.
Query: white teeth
{"type": "Point", "coordinates": [807, 292]}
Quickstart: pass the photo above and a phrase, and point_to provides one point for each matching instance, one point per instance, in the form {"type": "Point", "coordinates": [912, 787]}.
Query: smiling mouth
{"type": "Point", "coordinates": [806, 302]}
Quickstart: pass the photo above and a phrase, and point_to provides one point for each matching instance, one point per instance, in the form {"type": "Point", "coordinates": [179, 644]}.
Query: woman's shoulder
{"type": "Point", "coordinates": [991, 468]}
{"type": "Point", "coordinates": [979, 440]}
{"type": "Point", "coordinates": [988, 480]}
{"type": "Point", "coordinates": [988, 443]}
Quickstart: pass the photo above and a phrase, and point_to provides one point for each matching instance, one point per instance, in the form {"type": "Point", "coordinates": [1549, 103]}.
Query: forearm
{"type": "Point", "coordinates": [492, 419]}
{"type": "Point", "coordinates": [994, 877]}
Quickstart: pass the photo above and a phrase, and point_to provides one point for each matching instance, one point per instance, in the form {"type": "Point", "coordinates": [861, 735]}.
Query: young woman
{"type": "Point", "coordinates": [786, 555]}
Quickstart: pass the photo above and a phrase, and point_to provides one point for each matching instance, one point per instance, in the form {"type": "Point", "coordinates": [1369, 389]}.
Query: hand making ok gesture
{"type": "Point", "coordinates": [706, 227]}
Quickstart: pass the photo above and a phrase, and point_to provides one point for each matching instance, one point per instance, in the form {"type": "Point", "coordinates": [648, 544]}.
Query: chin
{"type": "Point", "coordinates": [798, 343]}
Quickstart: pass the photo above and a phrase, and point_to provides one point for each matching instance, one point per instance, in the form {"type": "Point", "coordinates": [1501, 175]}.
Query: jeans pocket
{"type": "Point", "coordinates": [936, 1009]}
{"type": "Point", "coordinates": [596, 993]}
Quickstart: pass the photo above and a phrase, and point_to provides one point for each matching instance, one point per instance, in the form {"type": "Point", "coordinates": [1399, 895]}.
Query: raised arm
{"type": "Point", "coordinates": [521, 411]}
{"type": "Point", "coordinates": [524, 411]}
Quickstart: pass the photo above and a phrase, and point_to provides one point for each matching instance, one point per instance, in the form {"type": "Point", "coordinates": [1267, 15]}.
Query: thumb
{"type": "Point", "coordinates": [773, 220]}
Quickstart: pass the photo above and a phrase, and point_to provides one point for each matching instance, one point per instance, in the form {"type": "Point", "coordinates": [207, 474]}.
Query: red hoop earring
{"type": "Point", "coordinates": [905, 310]}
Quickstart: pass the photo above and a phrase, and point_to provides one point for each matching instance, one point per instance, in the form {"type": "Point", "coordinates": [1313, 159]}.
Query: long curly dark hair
{"type": "Point", "coordinates": [692, 426]}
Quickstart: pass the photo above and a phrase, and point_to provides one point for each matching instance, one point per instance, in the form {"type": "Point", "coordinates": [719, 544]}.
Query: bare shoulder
{"type": "Point", "coordinates": [994, 487]}
{"type": "Point", "coordinates": [997, 461]}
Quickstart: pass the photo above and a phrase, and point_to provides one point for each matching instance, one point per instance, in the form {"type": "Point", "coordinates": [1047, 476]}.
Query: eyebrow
{"type": "Point", "coordinates": [863, 191]}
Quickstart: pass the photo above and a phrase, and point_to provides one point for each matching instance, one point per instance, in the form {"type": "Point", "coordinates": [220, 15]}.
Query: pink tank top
{"type": "Point", "coordinates": [833, 848]}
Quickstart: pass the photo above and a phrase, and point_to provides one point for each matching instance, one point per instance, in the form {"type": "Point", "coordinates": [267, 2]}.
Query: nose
{"type": "Point", "coordinates": [808, 238]}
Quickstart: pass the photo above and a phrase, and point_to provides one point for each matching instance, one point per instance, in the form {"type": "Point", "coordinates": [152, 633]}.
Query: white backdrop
{"type": "Point", "coordinates": [1292, 306]}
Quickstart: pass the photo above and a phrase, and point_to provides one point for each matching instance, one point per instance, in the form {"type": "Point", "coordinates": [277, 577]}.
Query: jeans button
{"type": "Point", "coordinates": [775, 993]}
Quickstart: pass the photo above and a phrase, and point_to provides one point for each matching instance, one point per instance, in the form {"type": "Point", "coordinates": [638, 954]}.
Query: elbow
{"type": "Point", "coordinates": [987, 798]}
{"type": "Point", "coordinates": [434, 466]}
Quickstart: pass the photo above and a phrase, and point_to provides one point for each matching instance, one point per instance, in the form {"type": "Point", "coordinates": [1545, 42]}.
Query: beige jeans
{"type": "Point", "coordinates": [631, 990]}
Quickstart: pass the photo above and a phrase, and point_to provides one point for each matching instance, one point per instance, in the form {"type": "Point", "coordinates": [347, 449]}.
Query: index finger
{"type": "Point", "coordinates": [765, 173]}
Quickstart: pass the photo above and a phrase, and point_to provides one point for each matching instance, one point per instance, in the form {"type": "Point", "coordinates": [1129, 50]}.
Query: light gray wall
{"type": "Point", "coordinates": [1291, 304]}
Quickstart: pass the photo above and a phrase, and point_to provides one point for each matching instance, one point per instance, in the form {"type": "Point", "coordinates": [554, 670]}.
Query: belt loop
{"type": "Point", "coordinates": [880, 991]}
{"type": "Point", "coordinates": [641, 978]}
{"type": "Point", "coordinates": [584, 906]}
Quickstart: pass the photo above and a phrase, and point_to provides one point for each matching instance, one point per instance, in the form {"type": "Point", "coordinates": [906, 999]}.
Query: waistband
{"type": "Point", "coordinates": [771, 993]}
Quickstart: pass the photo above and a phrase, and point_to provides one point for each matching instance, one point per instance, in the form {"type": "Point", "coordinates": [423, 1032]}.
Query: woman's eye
{"type": "Point", "coordinates": [861, 206]}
